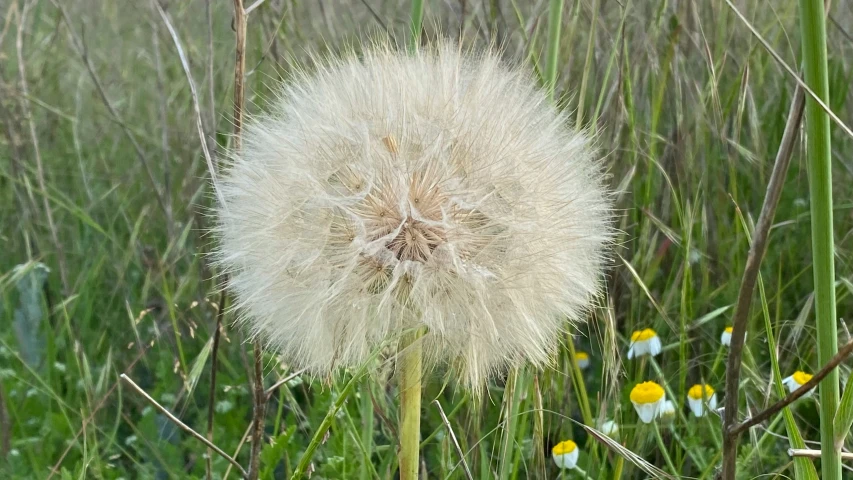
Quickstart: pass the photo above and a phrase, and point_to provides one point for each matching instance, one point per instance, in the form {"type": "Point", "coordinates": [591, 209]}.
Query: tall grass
{"type": "Point", "coordinates": [819, 154]}
{"type": "Point", "coordinates": [688, 111]}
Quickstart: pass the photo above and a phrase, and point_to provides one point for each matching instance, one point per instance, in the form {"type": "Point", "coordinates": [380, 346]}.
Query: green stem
{"type": "Point", "coordinates": [579, 386]}
{"type": "Point", "coordinates": [582, 472]}
{"type": "Point", "coordinates": [410, 371]}
{"type": "Point", "coordinates": [306, 458]}
{"type": "Point", "coordinates": [664, 451]}
{"type": "Point", "coordinates": [366, 407]}
{"type": "Point", "coordinates": [555, 21]}
{"type": "Point", "coordinates": [417, 17]}
{"type": "Point", "coordinates": [587, 65]}
{"type": "Point", "coordinates": [813, 32]}
{"type": "Point", "coordinates": [512, 401]}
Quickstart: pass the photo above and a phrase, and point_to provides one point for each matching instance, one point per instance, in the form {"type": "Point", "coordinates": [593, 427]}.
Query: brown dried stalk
{"type": "Point", "coordinates": [750, 275]}
{"type": "Point", "coordinates": [792, 397]}
{"type": "Point", "coordinates": [259, 395]}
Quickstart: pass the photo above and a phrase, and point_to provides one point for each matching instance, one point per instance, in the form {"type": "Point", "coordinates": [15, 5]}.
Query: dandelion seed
{"type": "Point", "coordinates": [609, 428]}
{"type": "Point", "coordinates": [648, 399]}
{"type": "Point", "coordinates": [700, 395]}
{"type": "Point", "coordinates": [644, 342]}
{"type": "Point", "coordinates": [667, 411]}
{"type": "Point", "coordinates": [582, 358]}
{"type": "Point", "coordinates": [565, 454]}
{"type": "Point", "coordinates": [797, 380]}
{"type": "Point", "coordinates": [428, 191]}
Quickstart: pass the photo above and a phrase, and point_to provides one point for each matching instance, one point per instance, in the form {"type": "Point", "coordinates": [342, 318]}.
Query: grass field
{"type": "Point", "coordinates": [104, 209]}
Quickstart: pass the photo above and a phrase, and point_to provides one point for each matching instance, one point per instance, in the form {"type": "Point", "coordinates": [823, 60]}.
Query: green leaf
{"type": "Point", "coordinates": [198, 366]}
{"type": "Point", "coordinates": [273, 452]}
{"type": "Point", "coordinates": [844, 416]}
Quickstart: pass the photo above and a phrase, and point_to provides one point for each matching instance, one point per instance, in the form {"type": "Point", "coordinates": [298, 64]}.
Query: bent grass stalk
{"type": "Point", "coordinates": [813, 32]}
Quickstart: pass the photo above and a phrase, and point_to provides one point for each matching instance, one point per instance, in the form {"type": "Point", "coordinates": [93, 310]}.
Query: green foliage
{"type": "Point", "coordinates": [688, 110]}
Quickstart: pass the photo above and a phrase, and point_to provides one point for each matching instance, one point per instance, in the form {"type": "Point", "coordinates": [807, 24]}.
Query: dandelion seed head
{"type": "Point", "coordinates": [435, 190]}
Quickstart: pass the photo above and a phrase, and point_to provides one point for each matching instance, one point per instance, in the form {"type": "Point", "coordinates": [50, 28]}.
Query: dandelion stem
{"type": "Point", "coordinates": [410, 355]}
{"type": "Point", "coordinates": [813, 32]}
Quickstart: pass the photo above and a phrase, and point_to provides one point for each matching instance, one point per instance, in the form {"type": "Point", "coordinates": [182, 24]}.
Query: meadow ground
{"type": "Point", "coordinates": [104, 203]}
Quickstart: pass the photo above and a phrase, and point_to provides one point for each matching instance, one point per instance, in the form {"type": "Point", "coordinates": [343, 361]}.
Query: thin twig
{"type": "Point", "coordinates": [25, 105]}
{"type": "Point", "coordinates": [183, 426]}
{"type": "Point", "coordinates": [376, 15]}
{"type": "Point", "coordinates": [253, 7]}
{"type": "Point", "coordinates": [805, 452]}
{"type": "Point", "coordinates": [791, 71]}
{"type": "Point", "coordinates": [281, 382]}
{"type": "Point", "coordinates": [80, 48]}
{"type": "Point", "coordinates": [768, 412]}
{"type": "Point", "coordinates": [750, 275]}
{"type": "Point", "coordinates": [243, 440]}
{"type": "Point", "coordinates": [455, 442]}
{"type": "Point", "coordinates": [214, 363]}
{"type": "Point", "coordinates": [211, 79]}
{"type": "Point", "coordinates": [220, 312]}
{"type": "Point", "coordinates": [239, 71]}
{"type": "Point", "coordinates": [259, 398]}
{"type": "Point", "coordinates": [196, 107]}
{"type": "Point", "coordinates": [164, 125]}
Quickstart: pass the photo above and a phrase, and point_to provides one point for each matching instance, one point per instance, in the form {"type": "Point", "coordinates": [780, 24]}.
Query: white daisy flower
{"type": "Point", "coordinates": [583, 359]}
{"type": "Point", "coordinates": [644, 342]}
{"type": "Point", "coordinates": [700, 395]}
{"type": "Point", "coordinates": [726, 337]}
{"type": "Point", "coordinates": [797, 380]}
{"type": "Point", "coordinates": [667, 410]}
{"type": "Point", "coordinates": [648, 398]}
{"type": "Point", "coordinates": [565, 454]}
{"type": "Point", "coordinates": [609, 428]}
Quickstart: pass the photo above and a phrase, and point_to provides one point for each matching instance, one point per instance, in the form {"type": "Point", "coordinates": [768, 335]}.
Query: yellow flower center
{"type": "Point", "coordinates": [564, 447]}
{"type": "Point", "coordinates": [729, 329]}
{"type": "Point", "coordinates": [647, 392]}
{"type": "Point", "coordinates": [581, 356]}
{"type": "Point", "coordinates": [640, 335]}
{"type": "Point", "coordinates": [801, 377]}
{"type": "Point", "coordinates": [696, 392]}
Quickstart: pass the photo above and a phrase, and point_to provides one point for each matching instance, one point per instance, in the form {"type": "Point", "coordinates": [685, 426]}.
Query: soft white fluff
{"type": "Point", "coordinates": [435, 190]}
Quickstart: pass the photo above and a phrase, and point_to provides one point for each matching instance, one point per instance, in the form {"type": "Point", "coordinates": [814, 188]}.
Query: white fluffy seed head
{"type": "Point", "coordinates": [436, 190]}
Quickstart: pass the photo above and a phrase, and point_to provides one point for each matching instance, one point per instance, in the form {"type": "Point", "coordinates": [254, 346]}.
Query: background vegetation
{"type": "Point", "coordinates": [103, 181]}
